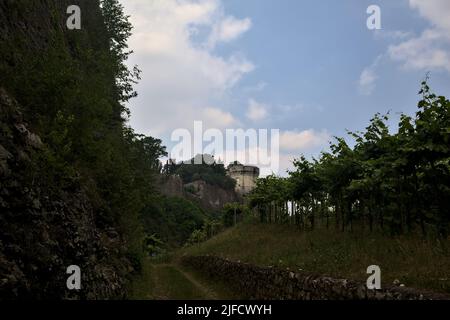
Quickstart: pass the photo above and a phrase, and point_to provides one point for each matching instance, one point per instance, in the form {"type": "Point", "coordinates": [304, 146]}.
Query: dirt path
{"type": "Point", "coordinates": [170, 282]}
{"type": "Point", "coordinates": [158, 291]}
{"type": "Point", "coordinates": [208, 292]}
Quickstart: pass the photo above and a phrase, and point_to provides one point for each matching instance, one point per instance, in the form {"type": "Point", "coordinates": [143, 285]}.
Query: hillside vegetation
{"type": "Point", "coordinates": [77, 197]}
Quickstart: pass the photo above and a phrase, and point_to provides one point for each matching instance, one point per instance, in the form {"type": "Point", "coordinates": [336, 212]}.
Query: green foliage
{"type": "Point", "coordinates": [119, 30]}
{"type": "Point", "coordinates": [233, 213]}
{"type": "Point", "coordinates": [73, 86]}
{"type": "Point", "coordinates": [202, 167]}
{"type": "Point", "coordinates": [197, 236]}
{"type": "Point", "coordinates": [397, 182]}
{"type": "Point", "coordinates": [190, 189]}
{"type": "Point", "coordinates": [172, 219]}
{"type": "Point", "coordinates": [209, 229]}
{"type": "Point", "coordinates": [153, 245]}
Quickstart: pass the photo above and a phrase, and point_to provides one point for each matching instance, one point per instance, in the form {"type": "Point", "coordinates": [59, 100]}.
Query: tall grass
{"type": "Point", "coordinates": [414, 261]}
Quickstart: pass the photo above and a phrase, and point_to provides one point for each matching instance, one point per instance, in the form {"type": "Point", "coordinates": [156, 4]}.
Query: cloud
{"type": "Point", "coordinates": [392, 34]}
{"type": "Point", "coordinates": [181, 73]}
{"type": "Point", "coordinates": [256, 111]}
{"type": "Point", "coordinates": [430, 50]}
{"type": "Point", "coordinates": [436, 11]}
{"type": "Point", "coordinates": [229, 29]}
{"type": "Point", "coordinates": [303, 140]}
{"type": "Point", "coordinates": [367, 81]}
{"type": "Point", "coordinates": [426, 52]}
{"type": "Point", "coordinates": [217, 118]}
{"type": "Point", "coordinates": [294, 143]}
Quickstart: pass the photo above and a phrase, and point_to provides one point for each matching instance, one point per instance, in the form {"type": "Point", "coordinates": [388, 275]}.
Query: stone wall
{"type": "Point", "coordinates": [270, 283]}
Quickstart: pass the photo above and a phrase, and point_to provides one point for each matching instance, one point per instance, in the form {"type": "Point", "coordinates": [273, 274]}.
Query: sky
{"type": "Point", "coordinates": [310, 68]}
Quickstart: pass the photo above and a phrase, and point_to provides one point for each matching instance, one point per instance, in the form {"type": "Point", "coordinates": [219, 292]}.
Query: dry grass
{"type": "Point", "coordinates": [413, 261]}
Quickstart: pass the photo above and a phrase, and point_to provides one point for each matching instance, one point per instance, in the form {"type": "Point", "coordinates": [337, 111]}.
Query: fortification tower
{"type": "Point", "coordinates": [245, 177]}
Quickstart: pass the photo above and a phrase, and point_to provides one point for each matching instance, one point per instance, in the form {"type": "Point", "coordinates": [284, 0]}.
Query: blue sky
{"type": "Point", "coordinates": [309, 68]}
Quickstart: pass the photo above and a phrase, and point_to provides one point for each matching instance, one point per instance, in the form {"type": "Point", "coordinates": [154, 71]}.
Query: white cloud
{"type": "Point", "coordinates": [436, 11]}
{"type": "Point", "coordinates": [426, 52]}
{"type": "Point", "coordinates": [256, 111]}
{"type": "Point", "coordinates": [392, 34]}
{"type": "Point", "coordinates": [430, 50]}
{"type": "Point", "coordinates": [303, 140]}
{"type": "Point", "coordinates": [217, 118]}
{"type": "Point", "coordinates": [229, 29]}
{"type": "Point", "coordinates": [367, 81]}
{"type": "Point", "coordinates": [181, 75]}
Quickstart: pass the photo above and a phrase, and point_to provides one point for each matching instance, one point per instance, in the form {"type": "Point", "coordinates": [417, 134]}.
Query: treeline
{"type": "Point", "coordinates": [393, 182]}
{"type": "Point", "coordinates": [231, 214]}
{"type": "Point", "coordinates": [172, 219]}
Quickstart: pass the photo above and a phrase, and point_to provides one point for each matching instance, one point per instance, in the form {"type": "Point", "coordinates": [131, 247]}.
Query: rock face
{"type": "Point", "coordinates": [46, 228]}
{"type": "Point", "coordinates": [209, 197]}
{"type": "Point", "coordinates": [268, 283]}
{"type": "Point", "coordinates": [171, 185]}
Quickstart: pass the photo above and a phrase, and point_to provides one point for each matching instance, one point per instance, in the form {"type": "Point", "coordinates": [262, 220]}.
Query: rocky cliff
{"type": "Point", "coordinates": [44, 229]}
{"type": "Point", "coordinates": [210, 197]}
{"type": "Point", "coordinates": [48, 219]}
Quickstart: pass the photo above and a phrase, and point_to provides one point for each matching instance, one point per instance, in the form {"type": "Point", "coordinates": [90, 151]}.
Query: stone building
{"type": "Point", "coordinates": [245, 177]}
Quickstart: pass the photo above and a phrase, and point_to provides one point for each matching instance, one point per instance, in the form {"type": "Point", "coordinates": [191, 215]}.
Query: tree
{"type": "Point", "coordinates": [392, 181]}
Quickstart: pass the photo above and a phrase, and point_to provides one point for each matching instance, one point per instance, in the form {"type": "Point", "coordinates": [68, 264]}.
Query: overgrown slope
{"type": "Point", "coordinates": [46, 226]}
{"type": "Point", "coordinates": [410, 259]}
{"type": "Point", "coordinates": [77, 197]}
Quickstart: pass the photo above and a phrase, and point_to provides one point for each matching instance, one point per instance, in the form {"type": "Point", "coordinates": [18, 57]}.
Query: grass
{"type": "Point", "coordinates": [161, 279]}
{"type": "Point", "coordinates": [411, 260]}
{"type": "Point", "coordinates": [163, 282]}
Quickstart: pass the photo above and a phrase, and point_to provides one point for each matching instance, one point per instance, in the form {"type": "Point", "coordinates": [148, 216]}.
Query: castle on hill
{"type": "Point", "coordinates": [244, 175]}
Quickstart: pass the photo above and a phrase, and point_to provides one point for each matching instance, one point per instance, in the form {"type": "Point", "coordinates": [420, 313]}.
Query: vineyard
{"type": "Point", "coordinates": [396, 183]}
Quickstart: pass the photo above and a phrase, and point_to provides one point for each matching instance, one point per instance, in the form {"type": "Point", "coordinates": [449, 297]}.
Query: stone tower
{"type": "Point", "coordinates": [245, 177]}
